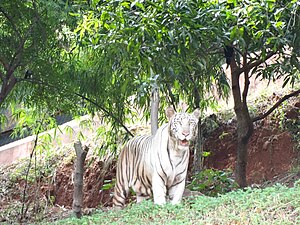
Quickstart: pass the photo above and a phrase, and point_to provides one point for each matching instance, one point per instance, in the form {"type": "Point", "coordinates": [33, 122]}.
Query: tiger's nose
{"type": "Point", "coordinates": [185, 133]}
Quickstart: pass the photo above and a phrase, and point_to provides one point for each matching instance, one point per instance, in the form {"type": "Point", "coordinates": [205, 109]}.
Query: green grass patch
{"type": "Point", "coordinates": [273, 205]}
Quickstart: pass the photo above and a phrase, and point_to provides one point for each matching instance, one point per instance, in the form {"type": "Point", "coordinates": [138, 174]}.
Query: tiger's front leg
{"type": "Point", "coordinates": [159, 190]}
{"type": "Point", "coordinates": [176, 192]}
{"type": "Point", "coordinates": [140, 198]}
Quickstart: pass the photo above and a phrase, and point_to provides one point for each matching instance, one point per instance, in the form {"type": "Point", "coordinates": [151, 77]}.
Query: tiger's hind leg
{"type": "Point", "coordinates": [120, 195]}
{"type": "Point", "coordinates": [121, 189]}
{"type": "Point", "coordinates": [122, 185]}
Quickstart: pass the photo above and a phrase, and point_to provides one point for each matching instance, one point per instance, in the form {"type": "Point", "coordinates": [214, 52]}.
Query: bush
{"type": "Point", "coordinates": [213, 182]}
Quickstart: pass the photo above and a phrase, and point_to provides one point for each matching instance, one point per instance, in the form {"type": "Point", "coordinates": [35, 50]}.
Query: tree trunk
{"type": "Point", "coordinates": [244, 123]}
{"type": "Point", "coordinates": [78, 178]}
{"type": "Point", "coordinates": [154, 109]}
{"type": "Point", "coordinates": [244, 131]}
{"type": "Point", "coordinates": [9, 82]}
{"type": "Point", "coordinates": [198, 152]}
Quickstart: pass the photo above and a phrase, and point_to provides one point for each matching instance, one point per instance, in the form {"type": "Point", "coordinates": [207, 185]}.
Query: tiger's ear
{"type": "Point", "coordinates": [196, 113]}
{"type": "Point", "coordinates": [170, 112]}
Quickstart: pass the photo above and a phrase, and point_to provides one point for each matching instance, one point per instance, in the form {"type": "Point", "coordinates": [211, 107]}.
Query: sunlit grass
{"type": "Point", "coordinates": [274, 205]}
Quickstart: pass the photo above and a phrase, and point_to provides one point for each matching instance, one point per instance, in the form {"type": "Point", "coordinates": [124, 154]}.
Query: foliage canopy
{"type": "Point", "coordinates": [107, 55]}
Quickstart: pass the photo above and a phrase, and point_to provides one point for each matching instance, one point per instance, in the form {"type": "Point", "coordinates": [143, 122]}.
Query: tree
{"type": "Point", "coordinates": [31, 56]}
{"type": "Point", "coordinates": [154, 109]}
{"type": "Point", "coordinates": [128, 47]}
{"type": "Point", "coordinates": [120, 49]}
{"type": "Point", "coordinates": [81, 153]}
{"type": "Point", "coordinates": [183, 43]}
{"type": "Point", "coordinates": [262, 34]}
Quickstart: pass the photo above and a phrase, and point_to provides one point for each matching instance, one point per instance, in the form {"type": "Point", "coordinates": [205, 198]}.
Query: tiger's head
{"type": "Point", "coordinates": [182, 127]}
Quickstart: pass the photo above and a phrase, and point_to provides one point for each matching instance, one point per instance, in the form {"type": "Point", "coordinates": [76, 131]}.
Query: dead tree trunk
{"type": "Point", "coordinates": [198, 151]}
{"type": "Point", "coordinates": [154, 109]}
{"type": "Point", "coordinates": [78, 178]}
{"type": "Point", "coordinates": [199, 142]}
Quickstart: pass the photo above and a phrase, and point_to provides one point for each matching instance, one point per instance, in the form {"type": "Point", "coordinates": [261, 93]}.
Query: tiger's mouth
{"type": "Point", "coordinates": [184, 142]}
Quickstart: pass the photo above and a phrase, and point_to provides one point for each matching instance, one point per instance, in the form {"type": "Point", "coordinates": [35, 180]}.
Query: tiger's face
{"type": "Point", "coordinates": [183, 128]}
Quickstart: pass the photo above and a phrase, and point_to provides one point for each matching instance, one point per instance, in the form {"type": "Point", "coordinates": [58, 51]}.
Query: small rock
{"type": "Point", "coordinates": [266, 145]}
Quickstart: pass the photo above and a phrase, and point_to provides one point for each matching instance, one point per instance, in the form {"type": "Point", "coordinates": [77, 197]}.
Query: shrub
{"type": "Point", "coordinates": [213, 182]}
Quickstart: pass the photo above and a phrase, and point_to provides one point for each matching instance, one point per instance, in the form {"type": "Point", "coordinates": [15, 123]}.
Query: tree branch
{"type": "Point", "coordinates": [7, 86]}
{"type": "Point", "coordinates": [2, 76]}
{"type": "Point", "coordinates": [17, 55]}
{"type": "Point", "coordinates": [5, 65]}
{"type": "Point", "coordinates": [15, 61]}
{"type": "Point", "coordinates": [23, 212]}
{"type": "Point", "coordinates": [84, 98]}
{"type": "Point", "coordinates": [246, 79]}
{"type": "Point", "coordinates": [106, 111]}
{"type": "Point", "coordinates": [11, 22]}
{"type": "Point", "coordinates": [170, 94]}
{"type": "Point", "coordinates": [235, 85]}
{"type": "Point", "coordinates": [264, 115]}
{"type": "Point", "coordinates": [256, 63]}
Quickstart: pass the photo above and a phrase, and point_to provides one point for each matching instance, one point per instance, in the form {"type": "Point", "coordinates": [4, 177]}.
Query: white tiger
{"type": "Point", "coordinates": [157, 165]}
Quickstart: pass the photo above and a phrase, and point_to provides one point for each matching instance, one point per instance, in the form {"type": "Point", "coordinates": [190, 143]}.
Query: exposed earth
{"type": "Point", "coordinates": [272, 154]}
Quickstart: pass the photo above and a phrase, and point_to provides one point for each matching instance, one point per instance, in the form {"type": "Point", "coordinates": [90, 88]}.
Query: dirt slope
{"type": "Point", "coordinates": [270, 152]}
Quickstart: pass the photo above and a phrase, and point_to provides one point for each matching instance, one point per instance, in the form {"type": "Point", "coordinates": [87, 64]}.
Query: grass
{"type": "Point", "coordinates": [273, 205]}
